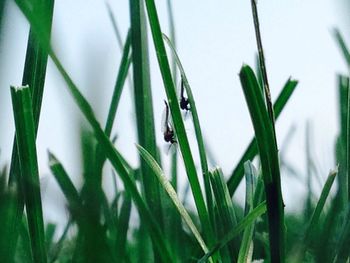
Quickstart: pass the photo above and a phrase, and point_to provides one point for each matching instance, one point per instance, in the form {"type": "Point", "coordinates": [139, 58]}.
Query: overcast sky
{"type": "Point", "coordinates": [214, 39]}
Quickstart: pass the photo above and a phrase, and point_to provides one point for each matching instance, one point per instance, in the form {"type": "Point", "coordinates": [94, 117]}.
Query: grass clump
{"type": "Point", "coordinates": [218, 229]}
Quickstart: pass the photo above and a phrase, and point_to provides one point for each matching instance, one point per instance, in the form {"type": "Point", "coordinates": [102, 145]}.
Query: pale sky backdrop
{"type": "Point", "coordinates": [214, 39]}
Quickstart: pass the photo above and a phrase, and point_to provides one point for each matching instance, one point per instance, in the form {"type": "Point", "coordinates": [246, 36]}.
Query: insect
{"type": "Point", "coordinates": [168, 132]}
{"type": "Point", "coordinates": [184, 102]}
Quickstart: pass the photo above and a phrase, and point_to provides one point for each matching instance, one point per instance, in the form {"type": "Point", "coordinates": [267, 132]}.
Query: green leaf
{"type": "Point", "coordinates": [268, 152]}
{"type": "Point", "coordinates": [177, 119]}
{"type": "Point", "coordinates": [144, 105]}
{"type": "Point", "coordinates": [252, 150]}
{"type": "Point", "coordinates": [197, 128]}
{"type": "Point", "coordinates": [29, 180]}
{"type": "Point", "coordinates": [34, 76]}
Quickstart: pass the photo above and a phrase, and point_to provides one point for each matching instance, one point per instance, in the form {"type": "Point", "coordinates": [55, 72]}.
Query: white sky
{"type": "Point", "coordinates": [214, 40]}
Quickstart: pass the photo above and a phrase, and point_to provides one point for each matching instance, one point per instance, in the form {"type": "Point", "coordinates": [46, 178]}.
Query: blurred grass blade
{"type": "Point", "coordinates": [197, 128]}
{"type": "Point", "coordinates": [226, 214]}
{"type": "Point", "coordinates": [34, 76]}
{"type": "Point", "coordinates": [114, 24]}
{"type": "Point", "coordinates": [177, 119]}
{"type": "Point", "coordinates": [144, 105]}
{"type": "Point", "coordinates": [342, 45]}
{"type": "Point", "coordinates": [56, 249]}
{"type": "Point", "coordinates": [269, 161]}
{"type": "Point", "coordinates": [25, 134]}
{"type": "Point", "coordinates": [172, 194]}
{"type": "Point", "coordinates": [119, 84]}
{"type": "Point", "coordinates": [66, 185]}
{"type": "Point", "coordinates": [310, 230]}
{"type": "Point", "coordinates": [344, 241]}
{"type": "Point", "coordinates": [123, 226]}
{"type": "Point", "coordinates": [246, 249]}
{"type": "Point", "coordinates": [252, 149]}
{"type": "Point", "coordinates": [246, 221]}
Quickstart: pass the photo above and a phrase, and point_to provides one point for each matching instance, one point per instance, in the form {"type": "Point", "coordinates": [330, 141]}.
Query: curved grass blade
{"type": "Point", "coordinates": [177, 119]}
{"type": "Point", "coordinates": [172, 194]}
{"type": "Point", "coordinates": [246, 221]}
{"type": "Point", "coordinates": [144, 105]}
{"type": "Point", "coordinates": [268, 152]}
{"type": "Point", "coordinates": [252, 149]}
{"type": "Point", "coordinates": [197, 127]}
{"type": "Point", "coordinates": [246, 249]}
{"type": "Point", "coordinates": [25, 136]}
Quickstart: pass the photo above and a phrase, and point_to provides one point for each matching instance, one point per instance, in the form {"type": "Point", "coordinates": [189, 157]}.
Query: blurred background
{"type": "Point", "coordinates": [213, 41]}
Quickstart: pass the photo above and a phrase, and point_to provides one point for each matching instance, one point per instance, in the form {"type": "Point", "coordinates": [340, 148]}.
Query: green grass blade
{"type": "Point", "coordinates": [123, 226]}
{"type": "Point", "coordinates": [263, 66]}
{"type": "Point", "coordinates": [344, 241]}
{"type": "Point", "coordinates": [144, 105]}
{"type": "Point", "coordinates": [342, 142]}
{"type": "Point", "coordinates": [197, 128]}
{"type": "Point", "coordinates": [119, 84]}
{"type": "Point", "coordinates": [34, 76]}
{"type": "Point", "coordinates": [57, 248]}
{"type": "Point", "coordinates": [342, 45]}
{"type": "Point", "coordinates": [310, 230]}
{"type": "Point", "coordinates": [172, 194]}
{"type": "Point", "coordinates": [66, 185]}
{"type": "Point", "coordinates": [252, 149]}
{"type": "Point", "coordinates": [268, 152]}
{"type": "Point", "coordinates": [25, 134]}
{"type": "Point", "coordinates": [177, 118]}
{"type": "Point", "coordinates": [226, 214]}
{"type": "Point", "coordinates": [246, 221]}
{"type": "Point", "coordinates": [245, 251]}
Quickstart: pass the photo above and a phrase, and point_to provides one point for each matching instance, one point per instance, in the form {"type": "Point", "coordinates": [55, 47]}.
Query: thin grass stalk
{"type": "Point", "coordinates": [269, 162]}
{"type": "Point", "coordinates": [25, 134]}
{"type": "Point", "coordinates": [177, 119]}
{"type": "Point", "coordinates": [252, 149]}
{"type": "Point", "coordinates": [263, 66]}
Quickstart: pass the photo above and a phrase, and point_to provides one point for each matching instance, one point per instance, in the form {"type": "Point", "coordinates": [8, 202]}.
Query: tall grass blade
{"type": "Point", "coordinates": [143, 104]}
{"type": "Point", "coordinates": [252, 149]}
{"type": "Point", "coordinates": [197, 128]}
{"type": "Point", "coordinates": [268, 152]}
{"type": "Point", "coordinates": [344, 241]}
{"type": "Point", "coordinates": [34, 76]}
{"type": "Point", "coordinates": [177, 119]}
{"type": "Point", "coordinates": [25, 136]}
{"type": "Point", "coordinates": [342, 141]}
{"type": "Point", "coordinates": [172, 194]}
{"type": "Point", "coordinates": [246, 221]}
